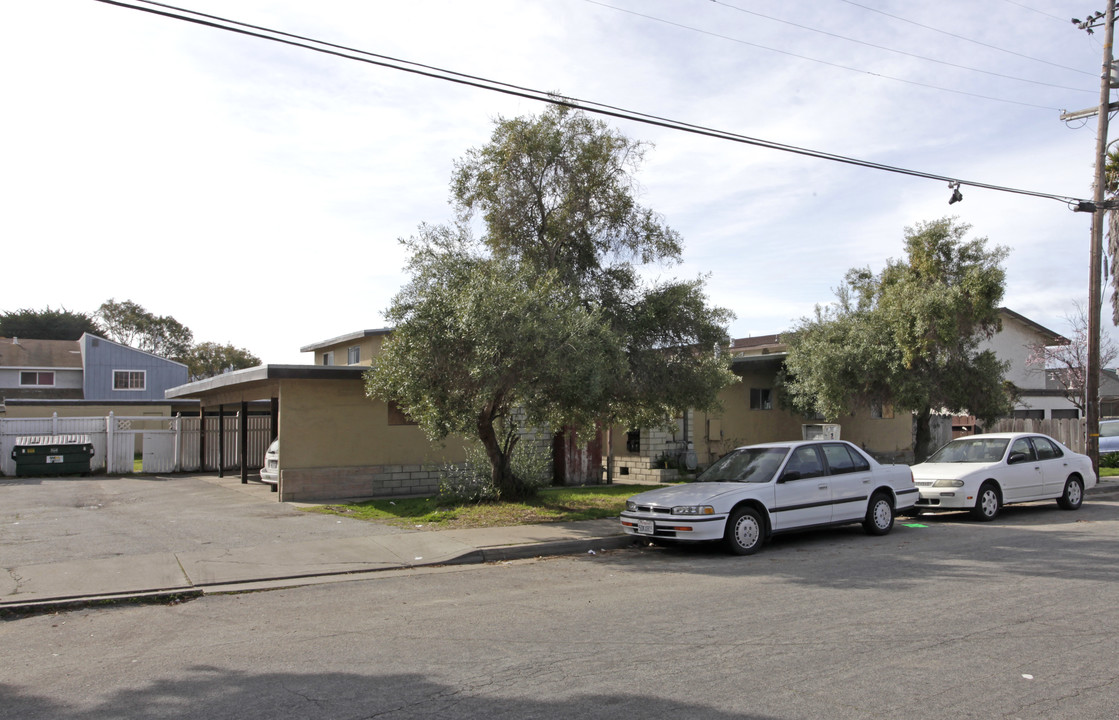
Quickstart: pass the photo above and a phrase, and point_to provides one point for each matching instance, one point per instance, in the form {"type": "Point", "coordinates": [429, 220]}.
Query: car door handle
{"type": "Point", "coordinates": [823, 486]}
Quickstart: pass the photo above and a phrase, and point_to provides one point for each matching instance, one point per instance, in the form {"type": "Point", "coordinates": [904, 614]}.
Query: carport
{"type": "Point", "coordinates": [335, 442]}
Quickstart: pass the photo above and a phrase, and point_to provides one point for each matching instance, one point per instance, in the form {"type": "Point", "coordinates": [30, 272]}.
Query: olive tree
{"type": "Point", "coordinates": [545, 312]}
{"type": "Point", "coordinates": [908, 336]}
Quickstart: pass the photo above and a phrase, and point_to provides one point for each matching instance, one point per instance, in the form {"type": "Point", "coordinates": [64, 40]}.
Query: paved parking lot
{"type": "Point", "coordinates": [47, 520]}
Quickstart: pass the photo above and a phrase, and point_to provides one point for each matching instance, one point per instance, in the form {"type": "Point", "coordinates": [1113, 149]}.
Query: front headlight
{"type": "Point", "coordinates": [631, 506]}
{"type": "Point", "coordinates": [693, 510]}
{"type": "Point", "coordinates": [948, 483]}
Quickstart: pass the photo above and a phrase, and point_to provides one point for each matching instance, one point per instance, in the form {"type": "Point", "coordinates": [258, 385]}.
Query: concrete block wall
{"type": "Point", "coordinates": [336, 483]}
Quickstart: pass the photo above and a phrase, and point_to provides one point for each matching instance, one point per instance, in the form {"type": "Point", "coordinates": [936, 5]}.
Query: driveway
{"type": "Point", "coordinates": [48, 520]}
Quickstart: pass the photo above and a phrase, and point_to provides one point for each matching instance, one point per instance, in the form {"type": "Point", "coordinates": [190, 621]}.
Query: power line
{"type": "Point", "coordinates": [348, 53]}
{"type": "Point", "coordinates": [965, 39]}
{"type": "Point", "coordinates": [817, 60]}
{"type": "Point", "coordinates": [889, 49]}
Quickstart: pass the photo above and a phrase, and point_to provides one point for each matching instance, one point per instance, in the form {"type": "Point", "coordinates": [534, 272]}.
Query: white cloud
{"type": "Point", "coordinates": [256, 192]}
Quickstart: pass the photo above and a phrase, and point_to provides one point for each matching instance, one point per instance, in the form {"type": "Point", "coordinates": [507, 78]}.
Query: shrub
{"type": "Point", "coordinates": [471, 481]}
{"type": "Point", "coordinates": [1110, 460]}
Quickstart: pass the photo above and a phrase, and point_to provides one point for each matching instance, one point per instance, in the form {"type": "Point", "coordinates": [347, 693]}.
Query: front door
{"type": "Point", "coordinates": [1021, 479]}
{"type": "Point", "coordinates": [802, 493]}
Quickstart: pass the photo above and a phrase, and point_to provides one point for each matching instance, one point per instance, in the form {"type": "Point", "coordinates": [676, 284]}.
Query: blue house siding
{"type": "Point", "coordinates": [104, 358]}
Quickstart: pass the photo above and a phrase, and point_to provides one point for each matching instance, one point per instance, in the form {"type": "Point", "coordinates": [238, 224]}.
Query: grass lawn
{"type": "Point", "coordinates": [554, 504]}
{"type": "Point", "coordinates": [1109, 472]}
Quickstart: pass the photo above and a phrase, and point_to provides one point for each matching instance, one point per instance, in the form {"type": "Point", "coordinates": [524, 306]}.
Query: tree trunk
{"type": "Point", "coordinates": [921, 444]}
{"type": "Point", "coordinates": [507, 484]}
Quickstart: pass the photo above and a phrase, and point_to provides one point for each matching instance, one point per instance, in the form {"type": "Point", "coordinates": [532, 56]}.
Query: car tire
{"type": "Point", "coordinates": [879, 515]}
{"type": "Point", "coordinates": [987, 503]}
{"type": "Point", "coordinates": [1073, 495]}
{"type": "Point", "coordinates": [745, 533]}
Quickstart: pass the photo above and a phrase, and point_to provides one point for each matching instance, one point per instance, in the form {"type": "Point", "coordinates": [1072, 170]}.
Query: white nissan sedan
{"type": "Point", "coordinates": [981, 473]}
{"type": "Point", "coordinates": [756, 491]}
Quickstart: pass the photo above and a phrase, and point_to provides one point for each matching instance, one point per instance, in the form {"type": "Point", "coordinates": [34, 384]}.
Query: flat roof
{"type": "Point", "coordinates": [348, 337]}
{"type": "Point", "coordinates": [263, 373]}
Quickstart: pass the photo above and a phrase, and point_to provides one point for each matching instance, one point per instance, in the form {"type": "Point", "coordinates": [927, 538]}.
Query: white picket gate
{"type": "Point", "coordinates": [164, 444]}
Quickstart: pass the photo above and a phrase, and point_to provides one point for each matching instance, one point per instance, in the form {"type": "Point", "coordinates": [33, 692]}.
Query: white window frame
{"type": "Point", "coordinates": [353, 355]}
{"type": "Point", "coordinates": [38, 377]}
{"type": "Point", "coordinates": [143, 381]}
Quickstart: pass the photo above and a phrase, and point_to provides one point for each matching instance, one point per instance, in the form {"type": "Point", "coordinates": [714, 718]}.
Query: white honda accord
{"type": "Point", "coordinates": [756, 491]}
{"type": "Point", "coordinates": [981, 473]}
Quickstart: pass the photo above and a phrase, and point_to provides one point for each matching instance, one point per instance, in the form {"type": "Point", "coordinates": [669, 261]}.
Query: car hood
{"type": "Point", "coordinates": [694, 493]}
{"type": "Point", "coordinates": [949, 471]}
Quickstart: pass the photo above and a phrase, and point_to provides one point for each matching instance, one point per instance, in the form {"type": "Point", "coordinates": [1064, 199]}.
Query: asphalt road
{"type": "Point", "coordinates": [943, 618]}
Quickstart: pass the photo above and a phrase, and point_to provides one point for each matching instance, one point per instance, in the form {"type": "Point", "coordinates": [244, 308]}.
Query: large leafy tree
{"type": "Point", "coordinates": [47, 324]}
{"type": "Point", "coordinates": [545, 313]}
{"type": "Point", "coordinates": [129, 323]}
{"type": "Point", "coordinates": [908, 336]}
{"type": "Point", "coordinates": [208, 359]}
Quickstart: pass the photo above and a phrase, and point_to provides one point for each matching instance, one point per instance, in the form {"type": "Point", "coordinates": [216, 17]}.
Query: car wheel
{"type": "Point", "coordinates": [879, 515]}
{"type": "Point", "coordinates": [986, 503]}
{"type": "Point", "coordinates": [745, 533]}
{"type": "Point", "coordinates": [1073, 495]}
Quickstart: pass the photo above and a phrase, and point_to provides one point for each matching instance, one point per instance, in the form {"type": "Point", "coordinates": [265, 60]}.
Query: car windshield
{"type": "Point", "coordinates": [1109, 429]}
{"type": "Point", "coordinates": [752, 465]}
{"type": "Point", "coordinates": [971, 450]}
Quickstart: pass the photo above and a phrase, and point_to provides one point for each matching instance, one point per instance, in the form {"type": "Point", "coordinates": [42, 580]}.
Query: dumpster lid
{"type": "Point", "coordinates": [36, 440]}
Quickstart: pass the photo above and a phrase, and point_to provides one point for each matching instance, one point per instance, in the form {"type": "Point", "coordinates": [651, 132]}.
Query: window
{"type": "Point", "coordinates": [1045, 449]}
{"type": "Point", "coordinates": [398, 416]}
{"type": "Point", "coordinates": [1022, 445]}
{"type": "Point", "coordinates": [328, 358]}
{"type": "Point", "coordinates": [130, 379]}
{"type": "Point", "coordinates": [761, 399]}
{"type": "Point", "coordinates": [633, 441]}
{"type": "Point", "coordinates": [353, 355]}
{"type": "Point", "coordinates": [805, 463]}
{"type": "Point", "coordinates": [37, 378]}
{"type": "Point", "coordinates": [881, 411]}
{"type": "Point", "coordinates": [842, 460]}
{"type": "Point", "coordinates": [1028, 414]}
{"type": "Point", "coordinates": [1072, 414]}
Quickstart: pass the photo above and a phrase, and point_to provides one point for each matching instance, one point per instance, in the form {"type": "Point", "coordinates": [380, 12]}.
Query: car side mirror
{"type": "Point", "coordinates": [1016, 457]}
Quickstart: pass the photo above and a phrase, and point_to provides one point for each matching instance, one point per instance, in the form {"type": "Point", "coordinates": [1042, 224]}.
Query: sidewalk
{"type": "Point", "coordinates": [161, 577]}
{"type": "Point", "coordinates": [164, 576]}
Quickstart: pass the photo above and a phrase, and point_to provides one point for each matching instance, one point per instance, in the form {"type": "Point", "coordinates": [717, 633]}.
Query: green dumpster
{"type": "Point", "coordinates": [53, 454]}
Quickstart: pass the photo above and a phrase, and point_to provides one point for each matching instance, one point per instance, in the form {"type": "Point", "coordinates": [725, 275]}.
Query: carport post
{"type": "Point", "coordinates": [244, 442]}
{"type": "Point", "coordinates": [201, 437]}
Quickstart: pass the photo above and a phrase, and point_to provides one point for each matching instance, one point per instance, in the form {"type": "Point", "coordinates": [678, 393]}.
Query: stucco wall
{"type": "Point", "coordinates": [335, 442]}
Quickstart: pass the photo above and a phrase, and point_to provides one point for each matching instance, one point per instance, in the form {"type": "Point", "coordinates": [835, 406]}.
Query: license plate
{"type": "Point", "coordinates": [645, 527]}
{"type": "Point", "coordinates": [54, 458]}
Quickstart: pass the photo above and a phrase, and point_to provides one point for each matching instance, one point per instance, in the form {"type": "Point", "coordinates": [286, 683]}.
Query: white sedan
{"type": "Point", "coordinates": [981, 473]}
{"type": "Point", "coordinates": [756, 491]}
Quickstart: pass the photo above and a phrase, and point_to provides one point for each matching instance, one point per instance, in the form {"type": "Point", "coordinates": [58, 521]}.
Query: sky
{"type": "Point", "coordinates": [257, 192]}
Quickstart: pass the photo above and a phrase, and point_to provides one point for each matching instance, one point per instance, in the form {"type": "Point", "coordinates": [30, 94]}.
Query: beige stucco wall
{"type": "Point", "coordinates": [716, 433]}
{"type": "Point", "coordinates": [370, 348]}
{"type": "Point", "coordinates": [333, 423]}
{"type": "Point", "coordinates": [335, 442]}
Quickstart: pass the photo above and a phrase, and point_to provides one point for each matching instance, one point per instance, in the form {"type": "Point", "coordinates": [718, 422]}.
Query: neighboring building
{"type": "Point", "coordinates": [1038, 398]}
{"type": "Point", "coordinates": [79, 376]}
{"type": "Point", "coordinates": [40, 370]}
{"type": "Point", "coordinates": [752, 413]}
{"type": "Point", "coordinates": [356, 348]}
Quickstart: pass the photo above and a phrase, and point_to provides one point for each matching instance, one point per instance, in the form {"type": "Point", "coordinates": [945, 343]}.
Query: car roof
{"type": "Point", "coordinates": [789, 444]}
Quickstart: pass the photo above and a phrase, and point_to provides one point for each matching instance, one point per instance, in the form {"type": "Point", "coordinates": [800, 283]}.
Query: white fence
{"type": "Point", "coordinates": [165, 444]}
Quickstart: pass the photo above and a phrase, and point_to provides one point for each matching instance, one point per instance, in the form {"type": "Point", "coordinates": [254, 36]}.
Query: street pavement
{"type": "Point", "coordinates": [61, 553]}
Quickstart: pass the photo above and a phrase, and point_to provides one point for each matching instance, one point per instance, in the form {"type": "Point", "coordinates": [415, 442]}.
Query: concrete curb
{"type": "Point", "coordinates": [173, 595]}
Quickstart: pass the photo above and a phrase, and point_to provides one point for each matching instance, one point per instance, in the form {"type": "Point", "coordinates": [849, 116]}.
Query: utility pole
{"type": "Point", "coordinates": [1099, 217]}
